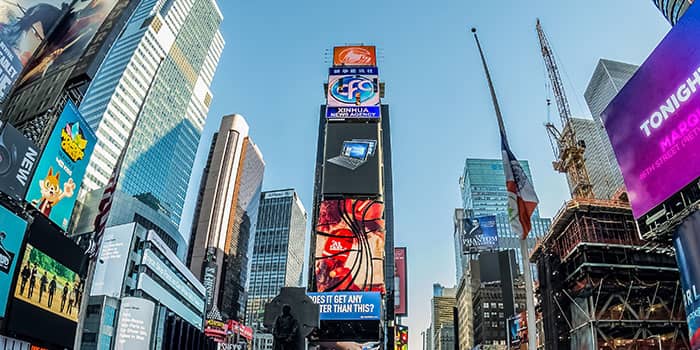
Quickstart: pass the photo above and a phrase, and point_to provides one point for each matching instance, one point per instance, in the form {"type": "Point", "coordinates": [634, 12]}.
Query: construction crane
{"type": "Point", "coordinates": [567, 150]}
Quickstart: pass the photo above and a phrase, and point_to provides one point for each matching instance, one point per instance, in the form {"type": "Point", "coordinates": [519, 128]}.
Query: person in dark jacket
{"type": "Point", "coordinates": [52, 290]}
{"type": "Point", "coordinates": [285, 330]}
{"type": "Point", "coordinates": [43, 283]}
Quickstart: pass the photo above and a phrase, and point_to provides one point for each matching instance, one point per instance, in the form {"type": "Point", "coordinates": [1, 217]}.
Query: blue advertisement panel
{"type": "Point", "coordinates": [60, 172]}
{"type": "Point", "coordinates": [479, 234]}
{"type": "Point", "coordinates": [686, 240]}
{"type": "Point", "coordinates": [348, 305]}
{"type": "Point", "coordinates": [353, 93]}
{"type": "Point", "coordinates": [12, 230]}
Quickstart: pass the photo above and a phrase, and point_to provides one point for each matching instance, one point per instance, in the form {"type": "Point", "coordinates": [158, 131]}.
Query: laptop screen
{"type": "Point", "coordinates": [357, 150]}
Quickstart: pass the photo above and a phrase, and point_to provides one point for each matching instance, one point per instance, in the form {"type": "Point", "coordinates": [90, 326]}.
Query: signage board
{"type": "Point", "coordinates": [12, 231]}
{"type": "Point", "coordinates": [135, 324]}
{"type": "Point", "coordinates": [348, 305]}
{"type": "Point", "coordinates": [18, 159]}
{"type": "Point", "coordinates": [353, 95]}
{"type": "Point", "coordinates": [400, 282]}
{"type": "Point", "coordinates": [479, 234]}
{"type": "Point", "coordinates": [355, 55]}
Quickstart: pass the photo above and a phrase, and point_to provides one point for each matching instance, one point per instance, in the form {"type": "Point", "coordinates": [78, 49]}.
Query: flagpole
{"type": "Point", "coordinates": [527, 274]}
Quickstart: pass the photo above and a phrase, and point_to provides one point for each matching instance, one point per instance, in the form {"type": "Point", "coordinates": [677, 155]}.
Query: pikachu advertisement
{"type": "Point", "coordinates": [54, 188]}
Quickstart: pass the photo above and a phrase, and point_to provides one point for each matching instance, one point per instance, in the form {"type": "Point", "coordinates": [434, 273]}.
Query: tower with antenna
{"type": "Point", "coordinates": [567, 149]}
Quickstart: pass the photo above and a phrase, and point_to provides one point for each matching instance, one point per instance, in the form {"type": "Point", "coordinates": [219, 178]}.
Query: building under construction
{"type": "Point", "coordinates": [602, 287]}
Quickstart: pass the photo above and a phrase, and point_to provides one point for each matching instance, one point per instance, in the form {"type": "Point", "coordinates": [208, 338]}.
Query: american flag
{"type": "Point", "coordinates": [105, 206]}
{"type": "Point", "coordinates": [522, 199]}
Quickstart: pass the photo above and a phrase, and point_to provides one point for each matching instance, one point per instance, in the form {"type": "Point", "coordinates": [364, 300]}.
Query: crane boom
{"type": "Point", "coordinates": [569, 151]}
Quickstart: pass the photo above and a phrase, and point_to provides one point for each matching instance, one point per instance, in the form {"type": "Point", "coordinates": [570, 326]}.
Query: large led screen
{"type": "Point", "coordinates": [24, 24]}
{"type": "Point", "coordinates": [60, 171]}
{"type": "Point", "coordinates": [348, 305]}
{"type": "Point", "coordinates": [654, 121]}
{"type": "Point", "coordinates": [400, 282]}
{"type": "Point", "coordinates": [351, 162]}
{"type": "Point", "coordinates": [353, 93]}
{"type": "Point", "coordinates": [350, 240]}
{"type": "Point", "coordinates": [479, 234]}
{"type": "Point", "coordinates": [686, 241]}
{"type": "Point", "coordinates": [355, 56]}
{"type": "Point", "coordinates": [18, 158]}
{"type": "Point", "coordinates": [12, 229]}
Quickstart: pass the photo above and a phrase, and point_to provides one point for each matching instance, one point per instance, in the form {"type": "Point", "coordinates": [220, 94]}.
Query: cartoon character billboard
{"type": "Point", "coordinates": [60, 172]}
{"type": "Point", "coordinates": [350, 241]}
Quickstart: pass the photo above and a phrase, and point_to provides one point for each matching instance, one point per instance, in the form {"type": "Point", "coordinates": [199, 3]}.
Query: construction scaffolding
{"type": "Point", "coordinates": [602, 287]}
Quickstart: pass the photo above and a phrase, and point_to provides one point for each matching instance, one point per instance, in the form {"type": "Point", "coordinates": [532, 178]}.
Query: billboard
{"type": "Point", "coordinates": [479, 234]}
{"type": "Point", "coordinates": [18, 158]}
{"type": "Point", "coordinates": [23, 26]}
{"type": "Point", "coordinates": [350, 240]}
{"type": "Point", "coordinates": [356, 55]}
{"type": "Point", "coordinates": [48, 284]}
{"type": "Point", "coordinates": [654, 122]}
{"type": "Point", "coordinates": [70, 38]}
{"type": "Point", "coordinates": [400, 282]}
{"type": "Point", "coordinates": [351, 159]}
{"type": "Point", "coordinates": [686, 242]}
{"type": "Point", "coordinates": [401, 341]}
{"type": "Point", "coordinates": [348, 305]}
{"type": "Point", "coordinates": [135, 324]}
{"type": "Point", "coordinates": [353, 93]}
{"type": "Point", "coordinates": [60, 171]}
{"type": "Point", "coordinates": [114, 255]}
{"type": "Point", "coordinates": [12, 229]}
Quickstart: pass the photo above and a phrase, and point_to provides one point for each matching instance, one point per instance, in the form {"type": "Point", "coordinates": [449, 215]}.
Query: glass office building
{"type": "Point", "coordinates": [159, 69]}
{"type": "Point", "coordinates": [483, 188]}
{"type": "Point", "coordinates": [278, 251]}
{"type": "Point", "coordinates": [673, 10]}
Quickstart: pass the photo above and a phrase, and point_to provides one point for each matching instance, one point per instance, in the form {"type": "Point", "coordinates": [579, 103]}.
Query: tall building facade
{"type": "Point", "coordinates": [159, 72]}
{"type": "Point", "coordinates": [225, 218]}
{"type": "Point", "coordinates": [673, 10]}
{"type": "Point", "coordinates": [465, 310]}
{"type": "Point", "coordinates": [483, 188]}
{"type": "Point", "coordinates": [442, 317]}
{"type": "Point", "coordinates": [607, 80]}
{"type": "Point", "coordinates": [278, 251]}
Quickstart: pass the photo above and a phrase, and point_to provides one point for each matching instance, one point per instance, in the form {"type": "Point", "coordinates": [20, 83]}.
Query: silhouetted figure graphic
{"type": "Point", "coordinates": [64, 296]}
{"type": "Point", "coordinates": [52, 290]}
{"type": "Point", "coordinates": [26, 272]}
{"type": "Point", "coordinates": [42, 286]}
{"type": "Point", "coordinates": [32, 281]}
{"type": "Point", "coordinates": [285, 330]}
{"type": "Point", "coordinates": [71, 300]}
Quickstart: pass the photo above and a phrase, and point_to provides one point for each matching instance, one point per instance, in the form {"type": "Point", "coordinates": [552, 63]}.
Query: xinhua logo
{"type": "Point", "coordinates": [352, 89]}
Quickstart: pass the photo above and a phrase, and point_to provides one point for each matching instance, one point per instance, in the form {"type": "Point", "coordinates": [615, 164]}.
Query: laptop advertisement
{"type": "Point", "coordinates": [351, 159]}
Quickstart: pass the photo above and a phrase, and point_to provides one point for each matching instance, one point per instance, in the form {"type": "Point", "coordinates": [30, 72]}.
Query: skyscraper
{"type": "Point", "coordinates": [225, 218]}
{"type": "Point", "coordinates": [483, 188]}
{"type": "Point", "coordinates": [673, 10]}
{"type": "Point", "coordinates": [160, 68]}
{"type": "Point", "coordinates": [278, 251]}
{"type": "Point", "coordinates": [608, 79]}
{"type": "Point", "coordinates": [442, 317]}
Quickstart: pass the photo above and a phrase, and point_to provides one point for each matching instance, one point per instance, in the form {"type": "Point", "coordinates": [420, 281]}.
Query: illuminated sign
{"type": "Point", "coordinates": [348, 305]}
{"type": "Point", "coordinates": [354, 56]}
{"type": "Point", "coordinates": [135, 324]}
{"type": "Point", "coordinates": [353, 93]}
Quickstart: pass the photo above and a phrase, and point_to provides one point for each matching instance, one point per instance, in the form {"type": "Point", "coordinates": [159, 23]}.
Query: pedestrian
{"type": "Point", "coordinates": [25, 277]}
{"type": "Point", "coordinates": [52, 290]}
{"type": "Point", "coordinates": [42, 286]}
{"type": "Point", "coordinates": [32, 281]}
{"type": "Point", "coordinates": [64, 296]}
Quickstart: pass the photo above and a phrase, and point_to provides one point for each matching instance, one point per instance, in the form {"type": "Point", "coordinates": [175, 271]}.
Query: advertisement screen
{"type": "Point", "coordinates": [135, 324]}
{"type": "Point", "coordinates": [70, 38]}
{"type": "Point", "coordinates": [60, 171]}
{"type": "Point", "coordinates": [355, 56]}
{"type": "Point", "coordinates": [348, 305]}
{"type": "Point", "coordinates": [351, 159]}
{"type": "Point", "coordinates": [686, 241]}
{"type": "Point", "coordinates": [400, 282]}
{"type": "Point", "coordinates": [23, 26]}
{"type": "Point", "coordinates": [353, 93]}
{"type": "Point", "coordinates": [18, 158]}
{"type": "Point", "coordinates": [401, 341]}
{"type": "Point", "coordinates": [654, 123]}
{"type": "Point", "coordinates": [479, 234]}
{"type": "Point", "coordinates": [48, 284]}
{"type": "Point", "coordinates": [12, 230]}
{"type": "Point", "coordinates": [114, 254]}
{"type": "Point", "coordinates": [350, 240]}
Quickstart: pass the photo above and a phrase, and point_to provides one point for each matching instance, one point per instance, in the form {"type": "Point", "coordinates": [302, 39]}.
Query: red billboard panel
{"type": "Point", "coordinates": [355, 56]}
{"type": "Point", "coordinates": [350, 240]}
{"type": "Point", "coordinates": [400, 282]}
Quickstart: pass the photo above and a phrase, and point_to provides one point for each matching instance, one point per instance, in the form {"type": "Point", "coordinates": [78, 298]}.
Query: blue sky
{"type": "Point", "coordinates": [276, 60]}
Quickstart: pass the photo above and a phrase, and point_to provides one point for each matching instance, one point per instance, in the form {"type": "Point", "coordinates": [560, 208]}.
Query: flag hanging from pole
{"type": "Point", "coordinates": [104, 208]}
{"type": "Point", "coordinates": [522, 199]}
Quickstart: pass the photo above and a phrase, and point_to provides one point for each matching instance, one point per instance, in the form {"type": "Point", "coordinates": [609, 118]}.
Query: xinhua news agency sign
{"type": "Point", "coordinates": [348, 305]}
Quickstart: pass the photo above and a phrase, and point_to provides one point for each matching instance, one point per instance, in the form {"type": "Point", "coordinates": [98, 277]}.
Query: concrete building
{"type": "Point", "coordinates": [442, 317]}
{"type": "Point", "coordinates": [278, 251]}
{"type": "Point", "coordinates": [673, 10]}
{"type": "Point", "coordinates": [225, 218]}
{"type": "Point", "coordinates": [136, 262]}
{"type": "Point", "coordinates": [465, 326]}
{"type": "Point", "coordinates": [489, 315]}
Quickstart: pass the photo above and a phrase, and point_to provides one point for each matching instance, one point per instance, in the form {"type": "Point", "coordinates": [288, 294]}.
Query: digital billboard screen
{"type": "Point", "coordinates": [12, 229]}
{"type": "Point", "coordinates": [48, 313]}
{"type": "Point", "coordinates": [686, 242]}
{"type": "Point", "coordinates": [401, 341]}
{"type": "Point", "coordinates": [400, 282]}
{"type": "Point", "coordinates": [135, 324]}
{"type": "Point", "coordinates": [350, 242]}
{"type": "Point", "coordinates": [479, 234]}
{"type": "Point", "coordinates": [348, 305]}
{"type": "Point", "coordinates": [69, 39]}
{"type": "Point", "coordinates": [18, 158]}
{"type": "Point", "coordinates": [60, 171]}
{"type": "Point", "coordinates": [351, 162]}
{"type": "Point", "coordinates": [356, 55]}
{"type": "Point", "coordinates": [23, 26]}
{"type": "Point", "coordinates": [353, 93]}
{"type": "Point", "coordinates": [654, 121]}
